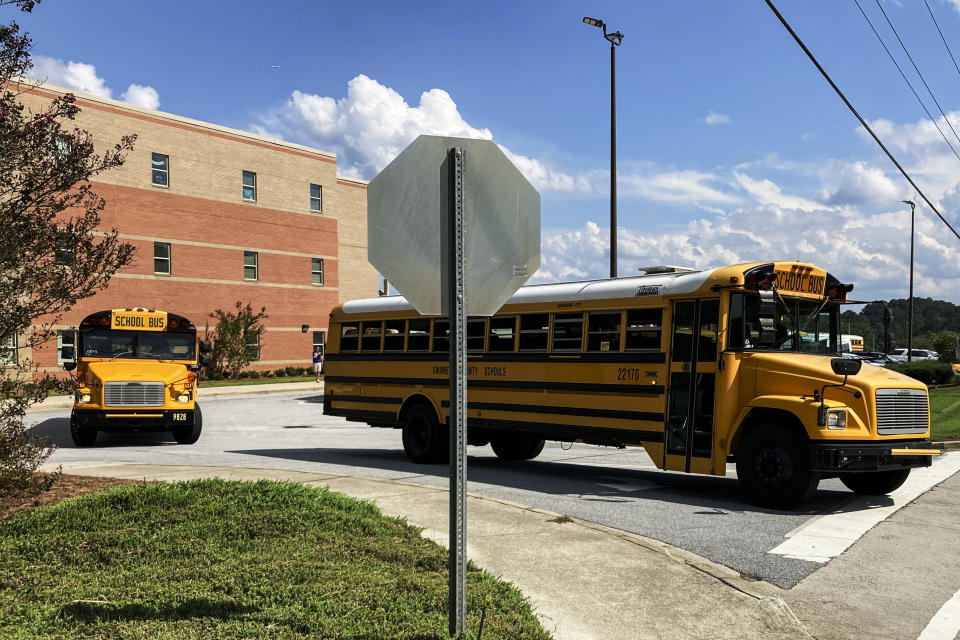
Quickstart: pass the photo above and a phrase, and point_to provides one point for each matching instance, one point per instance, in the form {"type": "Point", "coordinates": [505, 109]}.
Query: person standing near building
{"type": "Point", "coordinates": [317, 362]}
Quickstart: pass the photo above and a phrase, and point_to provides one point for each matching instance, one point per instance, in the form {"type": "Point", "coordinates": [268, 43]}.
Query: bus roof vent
{"type": "Point", "coordinates": [664, 268]}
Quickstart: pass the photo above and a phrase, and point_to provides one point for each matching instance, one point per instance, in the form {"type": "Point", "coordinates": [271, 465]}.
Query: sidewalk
{"type": "Point", "coordinates": [54, 403]}
{"type": "Point", "coordinates": [585, 581]}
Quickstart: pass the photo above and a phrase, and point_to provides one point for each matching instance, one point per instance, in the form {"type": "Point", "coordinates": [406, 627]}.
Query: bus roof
{"type": "Point", "coordinates": [651, 284]}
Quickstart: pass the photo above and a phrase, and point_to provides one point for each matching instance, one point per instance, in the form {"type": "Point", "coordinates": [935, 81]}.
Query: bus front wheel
{"type": "Point", "coordinates": [424, 441]}
{"type": "Point", "coordinates": [773, 467]}
{"type": "Point", "coordinates": [83, 435]}
{"type": "Point", "coordinates": [189, 435]}
{"type": "Point", "coordinates": [516, 446]}
{"type": "Point", "coordinates": [875, 483]}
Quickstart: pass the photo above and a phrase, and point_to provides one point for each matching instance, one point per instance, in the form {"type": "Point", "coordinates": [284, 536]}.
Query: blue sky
{"type": "Point", "coordinates": [731, 147]}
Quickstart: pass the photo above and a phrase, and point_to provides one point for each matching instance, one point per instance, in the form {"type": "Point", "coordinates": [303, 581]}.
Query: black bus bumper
{"type": "Point", "coordinates": [850, 457]}
{"type": "Point", "coordinates": [132, 419]}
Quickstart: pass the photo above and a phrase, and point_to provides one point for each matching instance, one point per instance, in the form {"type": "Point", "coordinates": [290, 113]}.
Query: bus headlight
{"type": "Point", "coordinates": [837, 419]}
{"type": "Point", "coordinates": [183, 398]}
{"type": "Point", "coordinates": [83, 398]}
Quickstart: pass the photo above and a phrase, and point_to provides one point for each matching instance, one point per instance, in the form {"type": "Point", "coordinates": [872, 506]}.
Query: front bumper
{"type": "Point", "coordinates": [133, 419]}
{"type": "Point", "coordinates": [871, 456]}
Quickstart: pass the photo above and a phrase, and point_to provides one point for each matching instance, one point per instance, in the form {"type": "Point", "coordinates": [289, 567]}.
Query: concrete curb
{"type": "Point", "coordinates": [947, 445]}
{"type": "Point", "coordinates": [65, 402]}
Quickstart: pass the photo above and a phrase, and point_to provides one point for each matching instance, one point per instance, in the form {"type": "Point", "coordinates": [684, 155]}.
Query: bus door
{"type": "Point", "coordinates": [691, 394]}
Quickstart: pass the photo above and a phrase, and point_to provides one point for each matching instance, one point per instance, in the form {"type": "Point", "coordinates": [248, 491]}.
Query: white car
{"type": "Point", "coordinates": [900, 355]}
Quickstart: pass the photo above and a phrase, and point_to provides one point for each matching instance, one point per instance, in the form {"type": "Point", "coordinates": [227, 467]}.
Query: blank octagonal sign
{"type": "Point", "coordinates": [408, 207]}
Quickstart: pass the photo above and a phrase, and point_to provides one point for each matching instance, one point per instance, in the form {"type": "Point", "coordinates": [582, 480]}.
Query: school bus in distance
{"type": "Point", "coordinates": [851, 343]}
{"type": "Point", "coordinates": [136, 371]}
{"type": "Point", "coordinates": [700, 368]}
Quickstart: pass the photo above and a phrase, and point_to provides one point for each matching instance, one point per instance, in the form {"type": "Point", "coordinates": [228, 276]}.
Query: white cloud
{"type": "Point", "coordinates": [141, 96]}
{"type": "Point", "coordinates": [81, 76]}
{"type": "Point", "coordinates": [690, 187]}
{"type": "Point", "coordinates": [860, 184]}
{"type": "Point", "coordinates": [373, 123]}
{"type": "Point", "coordinates": [769, 193]}
{"type": "Point", "coordinates": [713, 118]}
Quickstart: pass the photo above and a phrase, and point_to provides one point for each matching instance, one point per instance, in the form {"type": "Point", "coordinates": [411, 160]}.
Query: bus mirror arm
{"type": "Point", "coordinates": [841, 366]}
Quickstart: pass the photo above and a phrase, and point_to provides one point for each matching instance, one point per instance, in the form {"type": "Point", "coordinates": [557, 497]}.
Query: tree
{"type": "Point", "coordinates": [52, 250]}
{"type": "Point", "coordinates": [232, 338]}
{"type": "Point", "coordinates": [947, 345]}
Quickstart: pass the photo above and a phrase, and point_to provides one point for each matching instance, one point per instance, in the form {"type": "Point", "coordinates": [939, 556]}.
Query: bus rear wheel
{"type": "Point", "coordinates": [425, 441]}
{"type": "Point", "coordinates": [773, 467]}
{"type": "Point", "coordinates": [875, 483]}
{"type": "Point", "coordinates": [516, 446]}
{"type": "Point", "coordinates": [189, 435]}
{"type": "Point", "coordinates": [83, 435]}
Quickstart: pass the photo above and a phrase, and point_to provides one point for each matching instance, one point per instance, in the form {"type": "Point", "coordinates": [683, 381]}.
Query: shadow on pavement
{"type": "Point", "coordinates": [589, 482]}
{"type": "Point", "coordinates": [57, 431]}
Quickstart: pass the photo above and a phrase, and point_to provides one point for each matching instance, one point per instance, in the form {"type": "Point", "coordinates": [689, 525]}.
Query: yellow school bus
{"type": "Point", "coordinates": [700, 368]}
{"type": "Point", "coordinates": [136, 371]}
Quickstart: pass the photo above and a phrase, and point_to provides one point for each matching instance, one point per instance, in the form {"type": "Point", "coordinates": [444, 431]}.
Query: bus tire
{"type": "Point", "coordinates": [83, 435]}
{"type": "Point", "coordinates": [875, 483]}
{"type": "Point", "coordinates": [516, 446]}
{"type": "Point", "coordinates": [773, 467]}
{"type": "Point", "coordinates": [425, 441]}
{"type": "Point", "coordinates": [189, 435]}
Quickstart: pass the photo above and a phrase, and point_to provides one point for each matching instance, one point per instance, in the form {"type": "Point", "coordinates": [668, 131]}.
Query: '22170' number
{"type": "Point", "coordinates": [625, 374]}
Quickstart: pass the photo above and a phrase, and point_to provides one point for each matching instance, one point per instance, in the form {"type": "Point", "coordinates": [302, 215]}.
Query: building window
{"type": "Point", "coordinates": [249, 185]}
{"type": "Point", "coordinates": [316, 197]}
{"type": "Point", "coordinates": [160, 166]}
{"type": "Point", "coordinates": [253, 347]}
{"type": "Point", "coordinates": [161, 257]}
{"type": "Point", "coordinates": [63, 254]}
{"type": "Point", "coordinates": [66, 338]}
{"type": "Point", "coordinates": [316, 270]}
{"type": "Point", "coordinates": [8, 352]}
{"type": "Point", "coordinates": [319, 341]}
{"type": "Point", "coordinates": [250, 265]}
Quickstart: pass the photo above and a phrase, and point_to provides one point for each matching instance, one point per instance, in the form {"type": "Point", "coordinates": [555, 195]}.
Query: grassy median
{"type": "Point", "coordinates": [945, 413]}
{"type": "Point", "coordinates": [216, 559]}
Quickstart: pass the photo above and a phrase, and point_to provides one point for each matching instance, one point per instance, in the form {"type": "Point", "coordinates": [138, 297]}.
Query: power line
{"type": "Point", "coordinates": [904, 76]}
{"type": "Point", "coordinates": [858, 116]}
{"type": "Point", "coordinates": [930, 91]}
{"type": "Point", "coordinates": [941, 37]}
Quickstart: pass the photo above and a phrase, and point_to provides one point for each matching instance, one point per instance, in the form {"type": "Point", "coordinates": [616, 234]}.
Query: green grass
{"type": "Point", "coordinates": [945, 413]}
{"type": "Point", "coordinates": [234, 383]}
{"type": "Point", "coordinates": [216, 559]}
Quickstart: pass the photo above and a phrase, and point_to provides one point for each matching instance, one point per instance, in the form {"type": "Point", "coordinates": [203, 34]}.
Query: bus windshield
{"type": "Point", "coordinates": [802, 325]}
{"type": "Point", "coordinates": [154, 345]}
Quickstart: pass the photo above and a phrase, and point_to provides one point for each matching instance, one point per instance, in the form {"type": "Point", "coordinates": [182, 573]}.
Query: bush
{"type": "Point", "coordinates": [926, 371]}
{"type": "Point", "coordinates": [292, 371]}
{"type": "Point", "coordinates": [254, 374]}
{"type": "Point", "coordinates": [266, 374]}
{"type": "Point", "coordinates": [281, 372]}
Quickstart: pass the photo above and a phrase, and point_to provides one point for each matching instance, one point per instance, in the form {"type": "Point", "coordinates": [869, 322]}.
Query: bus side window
{"type": "Point", "coordinates": [603, 331]}
{"type": "Point", "coordinates": [644, 328]}
{"type": "Point", "coordinates": [476, 327]}
{"type": "Point", "coordinates": [735, 335]}
{"type": "Point", "coordinates": [441, 335]}
{"type": "Point", "coordinates": [419, 338]}
{"type": "Point", "coordinates": [567, 331]}
{"type": "Point", "coordinates": [709, 324]}
{"type": "Point", "coordinates": [370, 342]}
{"type": "Point", "coordinates": [349, 336]}
{"type": "Point", "coordinates": [502, 333]}
{"type": "Point", "coordinates": [533, 331]}
{"type": "Point", "coordinates": [393, 335]}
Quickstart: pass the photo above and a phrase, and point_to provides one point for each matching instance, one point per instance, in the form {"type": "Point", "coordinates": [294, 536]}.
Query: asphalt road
{"type": "Point", "coordinates": [616, 488]}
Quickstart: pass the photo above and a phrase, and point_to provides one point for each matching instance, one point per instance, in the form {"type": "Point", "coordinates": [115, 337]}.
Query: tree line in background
{"type": "Point", "coordinates": [936, 325]}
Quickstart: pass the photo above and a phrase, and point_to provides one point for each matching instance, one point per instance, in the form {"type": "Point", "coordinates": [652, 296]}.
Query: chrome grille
{"type": "Point", "coordinates": [133, 394]}
{"type": "Point", "coordinates": [902, 411]}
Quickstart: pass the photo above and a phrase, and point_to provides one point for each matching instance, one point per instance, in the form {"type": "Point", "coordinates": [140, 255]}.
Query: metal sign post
{"type": "Point", "coordinates": [457, 313]}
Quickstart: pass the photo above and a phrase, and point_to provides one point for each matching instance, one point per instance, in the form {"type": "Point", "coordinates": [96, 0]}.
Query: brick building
{"type": "Point", "coordinates": [218, 216]}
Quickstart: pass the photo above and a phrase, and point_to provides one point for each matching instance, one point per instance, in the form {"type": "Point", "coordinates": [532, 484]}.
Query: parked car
{"type": "Point", "coordinates": [876, 357]}
{"type": "Point", "coordinates": [900, 355]}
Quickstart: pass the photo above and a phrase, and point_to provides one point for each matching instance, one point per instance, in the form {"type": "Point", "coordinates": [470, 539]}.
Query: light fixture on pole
{"type": "Point", "coordinates": [910, 312]}
{"type": "Point", "coordinates": [614, 40]}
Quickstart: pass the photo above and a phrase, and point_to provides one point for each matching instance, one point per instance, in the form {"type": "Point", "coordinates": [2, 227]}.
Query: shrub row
{"type": "Point", "coordinates": [926, 371]}
{"type": "Point", "coordinates": [285, 372]}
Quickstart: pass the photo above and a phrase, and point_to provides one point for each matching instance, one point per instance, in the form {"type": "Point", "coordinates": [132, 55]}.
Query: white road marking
{"type": "Point", "coordinates": [825, 537]}
{"type": "Point", "coordinates": [945, 625]}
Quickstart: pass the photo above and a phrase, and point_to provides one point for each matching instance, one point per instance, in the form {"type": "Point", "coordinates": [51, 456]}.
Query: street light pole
{"type": "Point", "coordinates": [614, 39]}
{"type": "Point", "coordinates": [910, 312]}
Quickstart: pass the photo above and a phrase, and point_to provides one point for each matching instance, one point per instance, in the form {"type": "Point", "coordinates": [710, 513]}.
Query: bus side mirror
{"type": "Point", "coordinates": [845, 366]}
{"type": "Point", "coordinates": [69, 366]}
{"type": "Point", "coordinates": [205, 346]}
{"type": "Point", "coordinates": [205, 359]}
{"type": "Point", "coordinates": [768, 318]}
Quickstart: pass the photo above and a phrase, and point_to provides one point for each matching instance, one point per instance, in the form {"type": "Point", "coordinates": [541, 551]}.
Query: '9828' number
{"type": "Point", "coordinates": [179, 416]}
